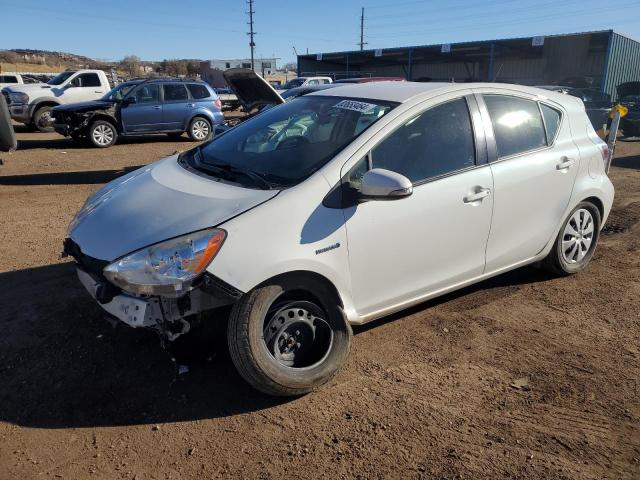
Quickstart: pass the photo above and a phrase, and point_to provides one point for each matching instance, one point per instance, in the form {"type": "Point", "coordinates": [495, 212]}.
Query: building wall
{"type": "Point", "coordinates": [623, 63]}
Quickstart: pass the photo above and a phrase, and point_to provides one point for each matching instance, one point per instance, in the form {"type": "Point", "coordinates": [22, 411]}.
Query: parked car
{"type": "Point", "coordinates": [597, 103]}
{"type": "Point", "coordinates": [339, 208]}
{"type": "Point", "coordinates": [371, 79]}
{"type": "Point", "coordinates": [629, 94]}
{"type": "Point", "coordinates": [143, 107]}
{"type": "Point", "coordinates": [31, 104]}
{"type": "Point", "coordinates": [306, 81]}
{"type": "Point", "coordinates": [7, 79]}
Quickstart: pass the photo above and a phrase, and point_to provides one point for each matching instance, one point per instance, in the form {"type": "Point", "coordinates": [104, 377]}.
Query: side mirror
{"type": "Point", "coordinates": [381, 184]}
{"type": "Point", "coordinates": [130, 100]}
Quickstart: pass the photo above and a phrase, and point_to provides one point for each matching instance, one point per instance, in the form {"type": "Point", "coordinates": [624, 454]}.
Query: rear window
{"type": "Point", "coordinates": [517, 124]}
{"type": "Point", "coordinates": [174, 92]}
{"type": "Point", "coordinates": [8, 79]}
{"type": "Point", "coordinates": [198, 91]}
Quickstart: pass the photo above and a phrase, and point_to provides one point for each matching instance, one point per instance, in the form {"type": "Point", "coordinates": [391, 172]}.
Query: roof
{"type": "Point", "coordinates": [404, 91]}
{"type": "Point", "coordinates": [453, 44]}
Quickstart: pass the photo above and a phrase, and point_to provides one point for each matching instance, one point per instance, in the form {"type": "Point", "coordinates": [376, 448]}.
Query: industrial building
{"type": "Point", "coordinates": [602, 60]}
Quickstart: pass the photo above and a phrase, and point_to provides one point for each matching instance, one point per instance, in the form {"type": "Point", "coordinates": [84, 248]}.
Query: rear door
{"type": "Point", "coordinates": [175, 111]}
{"type": "Point", "coordinates": [145, 115]}
{"type": "Point", "coordinates": [534, 163]}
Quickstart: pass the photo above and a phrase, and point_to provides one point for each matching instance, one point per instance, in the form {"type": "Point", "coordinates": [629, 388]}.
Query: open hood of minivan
{"type": "Point", "coordinates": [252, 90]}
{"type": "Point", "coordinates": [153, 204]}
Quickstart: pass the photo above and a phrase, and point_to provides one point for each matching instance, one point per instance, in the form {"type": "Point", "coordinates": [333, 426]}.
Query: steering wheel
{"type": "Point", "coordinates": [293, 142]}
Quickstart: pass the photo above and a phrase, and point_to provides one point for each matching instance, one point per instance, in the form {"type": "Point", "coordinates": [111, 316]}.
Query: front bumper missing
{"type": "Point", "coordinates": [170, 317]}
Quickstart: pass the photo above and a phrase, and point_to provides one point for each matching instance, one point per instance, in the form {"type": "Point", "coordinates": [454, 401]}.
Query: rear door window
{"type": "Point", "coordinates": [517, 124]}
{"type": "Point", "coordinates": [198, 91]}
{"type": "Point", "coordinates": [437, 142]}
{"type": "Point", "coordinates": [8, 79]}
{"type": "Point", "coordinates": [551, 121]}
{"type": "Point", "coordinates": [175, 92]}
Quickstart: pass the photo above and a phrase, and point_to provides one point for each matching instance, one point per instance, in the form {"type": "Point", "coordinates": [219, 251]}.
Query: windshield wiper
{"type": "Point", "coordinates": [256, 177]}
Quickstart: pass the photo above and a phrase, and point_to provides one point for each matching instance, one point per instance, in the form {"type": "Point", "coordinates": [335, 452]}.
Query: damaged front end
{"type": "Point", "coordinates": [170, 315]}
{"type": "Point", "coordinates": [74, 120]}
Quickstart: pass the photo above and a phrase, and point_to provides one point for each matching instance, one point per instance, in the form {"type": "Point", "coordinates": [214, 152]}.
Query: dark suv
{"type": "Point", "coordinates": [140, 107]}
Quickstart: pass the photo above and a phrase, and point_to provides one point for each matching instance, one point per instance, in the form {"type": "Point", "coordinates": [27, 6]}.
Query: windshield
{"type": "Point", "coordinates": [116, 94]}
{"type": "Point", "coordinates": [286, 144]}
{"type": "Point", "coordinates": [296, 82]}
{"type": "Point", "coordinates": [630, 99]}
{"type": "Point", "coordinates": [61, 77]}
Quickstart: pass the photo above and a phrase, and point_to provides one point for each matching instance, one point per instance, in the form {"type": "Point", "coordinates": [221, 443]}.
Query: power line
{"type": "Point", "coordinates": [251, 33]}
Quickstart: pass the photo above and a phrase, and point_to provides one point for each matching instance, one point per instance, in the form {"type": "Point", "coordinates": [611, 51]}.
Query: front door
{"type": "Point", "coordinates": [534, 168]}
{"type": "Point", "coordinates": [402, 250]}
{"type": "Point", "coordinates": [145, 115]}
{"type": "Point", "coordinates": [83, 88]}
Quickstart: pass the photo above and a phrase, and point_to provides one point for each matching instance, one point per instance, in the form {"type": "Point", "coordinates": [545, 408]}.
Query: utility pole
{"type": "Point", "coordinates": [251, 33]}
{"type": "Point", "coordinates": [362, 42]}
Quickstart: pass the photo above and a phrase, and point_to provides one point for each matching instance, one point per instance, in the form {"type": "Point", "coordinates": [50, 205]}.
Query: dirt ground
{"type": "Point", "coordinates": [426, 393]}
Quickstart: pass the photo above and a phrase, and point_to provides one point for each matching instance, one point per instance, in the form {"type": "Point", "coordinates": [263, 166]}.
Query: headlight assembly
{"type": "Point", "coordinates": [19, 97]}
{"type": "Point", "coordinates": [167, 268]}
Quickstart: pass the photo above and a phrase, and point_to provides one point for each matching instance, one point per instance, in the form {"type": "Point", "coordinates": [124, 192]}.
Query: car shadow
{"type": "Point", "coordinates": [62, 365]}
{"type": "Point", "coordinates": [632, 162]}
{"type": "Point", "coordinates": [89, 177]}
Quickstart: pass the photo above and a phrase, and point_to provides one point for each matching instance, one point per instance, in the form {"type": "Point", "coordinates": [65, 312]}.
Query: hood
{"type": "Point", "coordinates": [29, 87]}
{"type": "Point", "coordinates": [628, 88]}
{"type": "Point", "coordinates": [153, 204]}
{"type": "Point", "coordinates": [84, 106]}
{"type": "Point", "coordinates": [252, 90]}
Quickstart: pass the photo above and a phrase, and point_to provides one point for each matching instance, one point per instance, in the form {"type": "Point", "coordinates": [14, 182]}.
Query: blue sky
{"type": "Point", "coordinates": [204, 29]}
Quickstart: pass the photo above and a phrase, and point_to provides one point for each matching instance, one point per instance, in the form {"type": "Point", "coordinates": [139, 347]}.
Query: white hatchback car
{"type": "Point", "coordinates": [339, 208]}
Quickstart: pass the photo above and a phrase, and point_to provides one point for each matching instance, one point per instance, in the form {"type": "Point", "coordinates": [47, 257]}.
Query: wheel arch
{"type": "Point", "coordinates": [309, 282]}
{"type": "Point", "coordinates": [105, 118]}
{"type": "Point", "coordinates": [598, 203]}
{"type": "Point", "coordinates": [47, 102]}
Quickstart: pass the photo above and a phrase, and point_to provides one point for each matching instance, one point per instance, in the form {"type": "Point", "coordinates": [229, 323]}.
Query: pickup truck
{"type": "Point", "coordinates": [31, 104]}
{"type": "Point", "coordinates": [7, 79]}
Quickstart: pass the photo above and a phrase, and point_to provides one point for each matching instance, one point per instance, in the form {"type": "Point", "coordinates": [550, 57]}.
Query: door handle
{"type": "Point", "coordinates": [477, 196]}
{"type": "Point", "coordinates": [190, 105]}
{"type": "Point", "coordinates": [565, 163]}
{"type": "Point", "coordinates": [156, 107]}
{"type": "Point", "coordinates": [97, 91]}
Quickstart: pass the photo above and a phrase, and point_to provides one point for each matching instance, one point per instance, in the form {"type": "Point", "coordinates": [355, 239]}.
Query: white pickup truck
{"type": "Point", "coordinates": [9, 78]}
{"type": "Point", "coordinates": [31, 104]}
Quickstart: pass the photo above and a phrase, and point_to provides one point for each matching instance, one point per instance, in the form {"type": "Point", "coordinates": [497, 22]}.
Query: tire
{"type": "Point", "coordinates": [199, 129]}
{"type": "Point", "coordinates": [256, 330]}
{"type": "Point", "coordinates": [576, 241]}
{"type": "Point", "coordinates": [41, 119]}
{"type": "Point", "coordinates": [102, 134]}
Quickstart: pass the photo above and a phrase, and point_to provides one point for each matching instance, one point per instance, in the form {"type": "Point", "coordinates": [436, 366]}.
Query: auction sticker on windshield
{"type": "Point", "coordinates": [355, 106]}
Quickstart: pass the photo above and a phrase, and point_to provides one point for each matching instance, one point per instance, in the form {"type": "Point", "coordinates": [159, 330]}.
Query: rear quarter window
{"type": "Point", "coordinates": [551, 121]}
{"type": "Point", "coordinates": [198, 91]}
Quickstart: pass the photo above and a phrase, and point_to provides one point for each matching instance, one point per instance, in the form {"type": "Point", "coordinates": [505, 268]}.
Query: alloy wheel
{"type": "Point", "coordinates": [577, 237]}
{"type": "Point", "coordinates": [102, 135]}
{"type": "Point", "coordinates": [200, 129]}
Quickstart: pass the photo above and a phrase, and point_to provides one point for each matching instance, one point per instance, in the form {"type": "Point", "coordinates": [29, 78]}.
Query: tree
{"type": "Point", "coordinates": [131, 64]}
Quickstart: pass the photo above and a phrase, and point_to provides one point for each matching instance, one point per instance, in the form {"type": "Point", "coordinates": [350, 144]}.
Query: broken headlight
{"type": "Point", "coordinates": [167, 268]}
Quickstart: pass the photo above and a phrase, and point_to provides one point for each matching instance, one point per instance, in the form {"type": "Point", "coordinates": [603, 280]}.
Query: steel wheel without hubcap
{"type": "Point", "coordinates": [200, 129]}
{"type": "Point", "coordinates": [577, 236]}
{"type": "Point", "coordinates": [297, 335]}
{"type": "Point", "coordinates": [102, 135]}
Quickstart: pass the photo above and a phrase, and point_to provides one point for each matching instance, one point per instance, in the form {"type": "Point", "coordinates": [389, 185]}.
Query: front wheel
{"type": "Point", "coordinates": [199, 129]}
{"type": "Point", "coordinates": [285, 343]}
{"type": "Point", "coordinates": [42, 119]}
{"type": "Point", "coordinates": [102, 134]}
{"type": "Point", "coordinates": [576, 241]}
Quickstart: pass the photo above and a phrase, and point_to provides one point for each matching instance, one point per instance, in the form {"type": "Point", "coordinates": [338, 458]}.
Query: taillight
{"type": "Point", "coordinates": [217, 103]}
